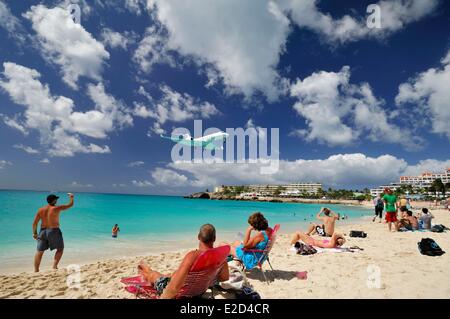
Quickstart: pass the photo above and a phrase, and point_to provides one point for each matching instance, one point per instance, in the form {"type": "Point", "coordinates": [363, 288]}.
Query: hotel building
{"type": "Point", "coordinates": [286, 190]}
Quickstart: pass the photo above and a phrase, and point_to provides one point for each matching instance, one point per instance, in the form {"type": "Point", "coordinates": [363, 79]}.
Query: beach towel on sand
{"type": "Point", "coordinates": [327, 250]}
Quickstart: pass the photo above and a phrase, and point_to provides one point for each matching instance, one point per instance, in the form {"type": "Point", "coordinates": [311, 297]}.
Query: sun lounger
{"type": "Point", "coordinates": [202, 275]}
{"type": "Point", "coordinates": [265, 253]}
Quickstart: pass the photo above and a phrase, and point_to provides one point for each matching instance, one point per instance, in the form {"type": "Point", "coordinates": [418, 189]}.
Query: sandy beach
{"type": "Point", "coordinates": [403, 271]}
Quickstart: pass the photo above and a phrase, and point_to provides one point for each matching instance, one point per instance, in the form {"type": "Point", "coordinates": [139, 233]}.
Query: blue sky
{"type": "Point", "coordinates": [82, 105]}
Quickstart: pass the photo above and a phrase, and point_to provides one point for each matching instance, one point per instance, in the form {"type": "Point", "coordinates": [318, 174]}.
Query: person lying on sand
{"type": "Point", "coordinates": [328, 222]}
{"type": "Point", "coordinates": [337, 240]}
{"type": "Point", "coordinates": [257, 222]}
{"type": "Point", "coordinates": [168, 286]}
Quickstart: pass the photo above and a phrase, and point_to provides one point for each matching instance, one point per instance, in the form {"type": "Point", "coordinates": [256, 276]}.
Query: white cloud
{"type": "Point", "coordinates": [45, 161]}
{"type": "Point", "coordinates": [109, 114]}
{"type": "Point", "coordinates": [4, 163]}
{"type": "Point", "coordinates": [78, 185]}
{"type": "Point", "coordinates": [142, 183]}
{"type": "Point", "coordinates": [10, 23]}
{"type": "Point", "coordinates": [115, 39]}
{"type": "Point", "coordinates": [135, 6]}
{"type": "Point", "coordinates": [242, 40]}
{"type": "Point", "coordinates": [152, 50]}
{"type": "Point", "coordinates": [428, 95]}
{"type": "Point", "coordinates": [120, 185]}
{"type": "Point", "coordinates": [168, 177]}
{"type": "Point", "coordinates": [136, 164]}
{"type": "Point", "coordinates": [341, 170]}
{"type": "Point", "coordinates": [67, 44]}
{"type": "Point", "coordinates": [14, 123]}
{"type": "Point", "coordinates": [27, 149]}
{"type": "Point", "coordinates": [239, 43]}
{"type": "Point", "coordinates": [54, 117]}
{"type": "Point", "coordinates": [395, 15]}
{"type": "Point", "coordinates": [174, 107]}
{"type": "Point", "coordinates": [338, 112]}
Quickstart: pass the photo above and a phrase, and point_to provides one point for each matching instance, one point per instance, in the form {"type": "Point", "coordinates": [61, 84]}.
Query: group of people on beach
{"type": "Point", "coordinates": [256, 238]}
{"type": "Point", "coordinates": [389, 202]}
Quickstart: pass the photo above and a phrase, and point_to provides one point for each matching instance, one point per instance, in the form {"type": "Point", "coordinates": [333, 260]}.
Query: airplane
{"type": "Point", "coordinates": [207, 142]}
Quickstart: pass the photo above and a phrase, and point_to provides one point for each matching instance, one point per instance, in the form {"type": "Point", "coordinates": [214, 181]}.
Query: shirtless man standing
{"type": "Point", "coordinates": [50, 236]}
{"type": "Point", "coordinates": [327, 228]}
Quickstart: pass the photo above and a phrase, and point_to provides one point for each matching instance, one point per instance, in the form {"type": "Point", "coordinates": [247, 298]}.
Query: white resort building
{"type": "Point", "coordinates": [424, 180]}
{"type": "Point", "coordinates": [269, 190]}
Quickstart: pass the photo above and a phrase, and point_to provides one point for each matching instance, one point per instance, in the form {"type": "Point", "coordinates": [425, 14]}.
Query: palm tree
{"type": "Point", "coordinates": [438, 186]}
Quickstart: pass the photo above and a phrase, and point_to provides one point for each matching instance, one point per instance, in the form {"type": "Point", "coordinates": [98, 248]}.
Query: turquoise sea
{"type": "Point", "coordinates": [149, 224]}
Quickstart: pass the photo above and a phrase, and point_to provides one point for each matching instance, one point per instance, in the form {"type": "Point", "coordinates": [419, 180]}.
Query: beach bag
{"type": "Point", "coordinates": [304, 249]}
{"type": "Point", "coordinates": [358, 233]}
{"type": "Point", "coordinates": [247, 293]}
{"type": "Point", "coordinates": [237, 279]}
{"type": "Point", "coordinates": [429, 247]}
{"type": "Point", "coordinates": [438, 228]}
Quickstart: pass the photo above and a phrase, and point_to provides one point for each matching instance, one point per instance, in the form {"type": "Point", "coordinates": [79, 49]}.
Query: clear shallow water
{"type": "Point", "coordinates": [149, 224]}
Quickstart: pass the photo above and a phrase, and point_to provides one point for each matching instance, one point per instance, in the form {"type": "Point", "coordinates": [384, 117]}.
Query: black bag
{"type": "Point", "coordinates": [247, 293]}
{"type": "Point", "coordinates": [358, 233]}
{"type": "Point", "coordinates": [429, 247]}
{"type": "Point", "coordinates": [438, 228]}
{"type": "Point", "coordinates": [304, 249]}
{"type": "Point", "coordinates": [380, 204]}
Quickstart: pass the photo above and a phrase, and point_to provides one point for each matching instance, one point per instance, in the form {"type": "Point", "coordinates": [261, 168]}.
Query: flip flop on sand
{"type": "Point", "coordinates": [356, 247]}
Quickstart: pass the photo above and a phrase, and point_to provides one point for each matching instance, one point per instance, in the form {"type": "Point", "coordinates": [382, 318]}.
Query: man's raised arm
{"type": "Point", "coordinates": [64, 207]}
{"type": "Point", "coordinates": [319, 213]}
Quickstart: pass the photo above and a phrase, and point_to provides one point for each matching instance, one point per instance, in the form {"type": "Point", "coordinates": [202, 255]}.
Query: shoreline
{"type": "Point", "coordinates": [347, 202]}
{"type": "Point", "coordinates": [188, 241]}
{"type": "Point", "coordinates": [403, 271]}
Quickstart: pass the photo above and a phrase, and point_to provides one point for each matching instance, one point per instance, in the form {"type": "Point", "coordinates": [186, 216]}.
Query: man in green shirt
{"type": "Point", "coordinates": [391, 208]}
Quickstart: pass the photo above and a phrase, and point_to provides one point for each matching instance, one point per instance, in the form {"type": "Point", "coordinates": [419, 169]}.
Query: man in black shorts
{"type": "Point", "coordinates": [50, 235]}
{"type": "Point", "coordinates": [326, 229]}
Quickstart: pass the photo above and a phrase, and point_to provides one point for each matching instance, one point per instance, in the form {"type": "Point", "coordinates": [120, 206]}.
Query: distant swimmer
{"type": "Point", "coordinates": [115, 231]}
{"type": "Point", "coordinates": [50, 235]}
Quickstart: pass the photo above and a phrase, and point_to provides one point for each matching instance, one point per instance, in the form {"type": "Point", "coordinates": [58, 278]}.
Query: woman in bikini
{"type": "Point", "coordinates": [337, 240]}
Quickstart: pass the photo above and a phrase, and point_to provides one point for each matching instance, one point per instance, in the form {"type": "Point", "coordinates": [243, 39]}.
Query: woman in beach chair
{"type": "Point", "coordinates": [169, 286]}
{"type": "Point", "coordinates": [336, 240]}
{"type": "Point", "coordinates": [257, 222]}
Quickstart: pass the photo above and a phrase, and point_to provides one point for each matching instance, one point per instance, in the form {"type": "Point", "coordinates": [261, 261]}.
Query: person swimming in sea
{"type": "Point", "coordinates": [115, 231]}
